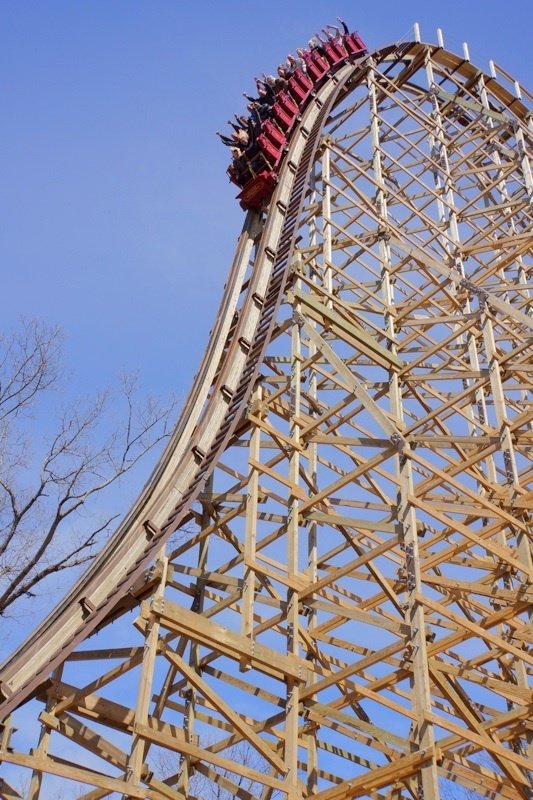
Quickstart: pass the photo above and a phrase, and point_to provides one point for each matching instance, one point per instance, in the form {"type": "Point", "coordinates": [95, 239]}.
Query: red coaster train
{"type": "Point", "coordinates": [259, 141]}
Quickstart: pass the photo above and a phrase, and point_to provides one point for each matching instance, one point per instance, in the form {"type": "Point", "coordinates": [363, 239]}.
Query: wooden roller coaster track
{"type": "Point", "coordinates": [331, 566]}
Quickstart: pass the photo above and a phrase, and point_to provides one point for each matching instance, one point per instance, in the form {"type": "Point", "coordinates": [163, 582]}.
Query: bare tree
{"type": "Point", "coordinates": [51, 487]}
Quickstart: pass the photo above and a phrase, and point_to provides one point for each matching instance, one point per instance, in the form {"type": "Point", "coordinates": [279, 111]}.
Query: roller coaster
{"type": "Point", "coordinates": [324, 590]}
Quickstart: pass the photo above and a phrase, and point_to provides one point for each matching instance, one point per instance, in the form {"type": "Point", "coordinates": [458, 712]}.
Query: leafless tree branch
{"type": "Point", "coordinates": [49, 516]}
{"type": "Point", "coordinates": [29, 364]}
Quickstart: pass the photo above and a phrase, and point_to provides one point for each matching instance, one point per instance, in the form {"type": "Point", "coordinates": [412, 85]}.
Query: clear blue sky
{"type": "Point", "coordinates": [118, 221]}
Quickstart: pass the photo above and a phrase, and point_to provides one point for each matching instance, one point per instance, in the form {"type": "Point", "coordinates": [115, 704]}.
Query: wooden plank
{"type": "Point", "coordinates": [294, 489]}
{"type": "Point", "coordinates": [486, 246]}
{"type": "Point", "coordinates": [76, 694]}
{"type": "Point", "coordinates": [337, 440]}
{"type": "Point", "coordinates": [341, 675]}
{"type": "Point", "coordinates": [278, 436]}
{"type": "Point", "coordinates": [485, 590]}
{"type": "Point", "coordinates": [474, 776]}
{"type": "Point", "coordinates": [462, 622]}
{"type": "Point", "coordinates": [194, 679]}
{"type": "Point", "coordinates": [223, 782]}
{"type": "Point", "coordinates": [356, 334]}
{"type": "Point", "coordinates": [364, 617]}
{"type": "Point", "coordinates": [80, 774]}
{"type": "Point", "coordinates": [104, 654]}
{"type": "Point", "coordinates": [501, 552]}
{"type": "Point", "coordinates": [350, 522]}
{"type": "Point", "coordinates": [386, 424]}
{"type": "Point", "coordinates": [204, 754]}
{"type": "Point", "coordinates": [472, 105]}
{"type": "Point", "coordinates": [467, 735]}
{"type": "Point", "coordinates": [101, 710]}
{"type": "Point", "coordinates": [461, 706]}
{"type": "Point", "coordinates": [224, 640]}
{"type": "Point", "coordinates": [92, 741]}
{"type": "Point", "coordinates": [294, 582]}
{"type": "Point", "coordinates": [393, 743]}
{"type": "Point", "coordinates": [232, 680]}
{"type": "Point", "coordinates": [386, 775]}
{"type": "Point", "coordinates": [501, 305]}
{"type": "Point", "coordinates": [350, 476]}
{"type": "Point", "coordinates": [518, 695]}
{"type": "Point", "coordinates": [506, 722]}
{"type": "Point", "coordinates": [7, 792]}
{"type": "Point", "coordinates": [448, 477]}
{"type": "Point", "coordinates": [334, 575]}
{"type": "Point", "coordinates": [208, 577]}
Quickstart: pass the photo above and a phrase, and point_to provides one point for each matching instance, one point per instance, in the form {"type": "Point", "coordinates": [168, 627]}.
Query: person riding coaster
{"type": "Point", "coordinates": [258, 141]}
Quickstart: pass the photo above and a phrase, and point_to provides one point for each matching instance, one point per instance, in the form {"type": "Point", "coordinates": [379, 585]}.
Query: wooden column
{"type": "Point", "coordinates": [292, 616]}
{"type": "Point", "coordinates": [189, 718]}
{"type": "Point", "coordinates": [144, 693]}
{"type": "Point", "coordinates": [422, 735]}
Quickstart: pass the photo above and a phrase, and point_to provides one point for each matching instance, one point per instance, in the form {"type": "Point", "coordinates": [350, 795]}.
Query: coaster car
{"type": "Point", "coordinates": [256, 171]}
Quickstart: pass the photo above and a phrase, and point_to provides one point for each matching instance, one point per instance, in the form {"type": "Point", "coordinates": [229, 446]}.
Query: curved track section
{"type": "Point", "coordinates": [212, 411]}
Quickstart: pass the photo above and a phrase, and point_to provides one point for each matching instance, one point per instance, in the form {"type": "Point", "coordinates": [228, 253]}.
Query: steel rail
{"type": "Point", "coordinates": [218, 399]}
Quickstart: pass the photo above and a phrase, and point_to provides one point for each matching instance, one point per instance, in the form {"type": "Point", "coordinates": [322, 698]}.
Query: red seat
{"type": "Point", "coordinates": [300, 86]}
{"type": "Point", "coordinates": [354, 44]}
{"type": "Point", "coordinates": [273, 133]}
{"type": "Point", "coordinates": [316, 66]}
{"type": "Point", "coordinates": [302, 79]}
{"type": "Point", "coordinates": [284, 118]}
{"type": "Point", "coordinates": [334, 52]}
{"type": "Point", "coordinates": [287, 103]}
{"type": "Point", "coordinates": [257, 190]}
{"type": "Point", "coordinates": [339, 47]}
{"type": "Point", "coordinates": [271, 152]}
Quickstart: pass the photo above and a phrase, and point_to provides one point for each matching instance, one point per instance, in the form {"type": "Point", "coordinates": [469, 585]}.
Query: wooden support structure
{"type": "Point", "coordinates": [335, 596]}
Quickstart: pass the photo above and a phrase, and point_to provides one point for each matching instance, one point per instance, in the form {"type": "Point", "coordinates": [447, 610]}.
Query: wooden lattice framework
{"type": "Point", "coordinates": [342, 607]}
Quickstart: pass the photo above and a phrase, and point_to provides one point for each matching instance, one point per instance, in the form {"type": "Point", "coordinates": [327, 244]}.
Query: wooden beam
{"type": "Point", "coordinates": [202, 754]}
{"type": "Point", "coordinates": [194, 679]}
{"type": "Point", "coordinates": [81, 775]}
{"type": "Point", "coordinates": [224, 640]}
{"type": "Point", "coordinates": [397, 770]}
